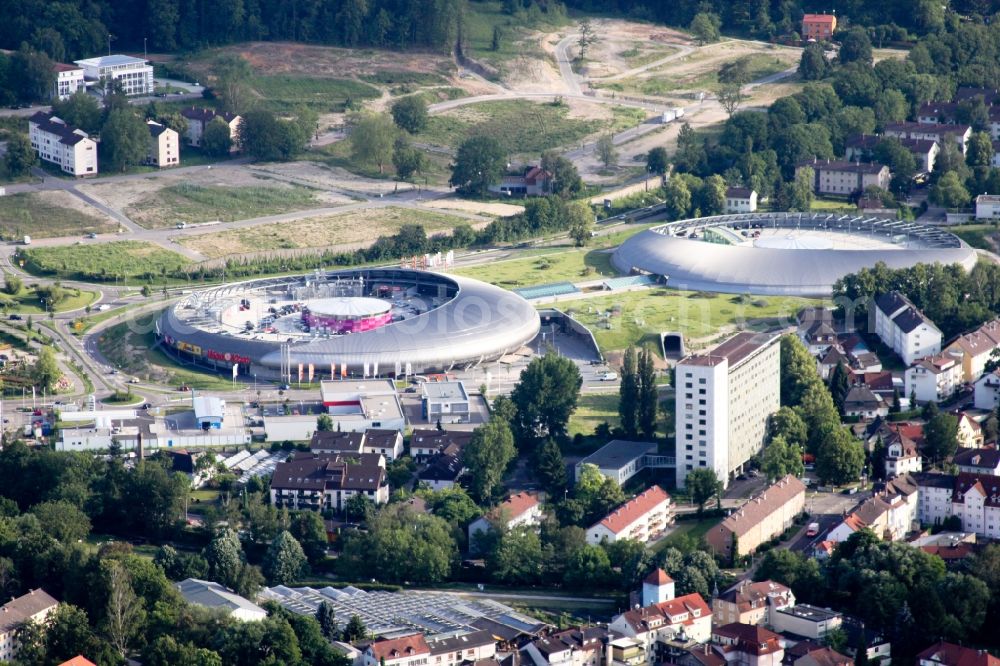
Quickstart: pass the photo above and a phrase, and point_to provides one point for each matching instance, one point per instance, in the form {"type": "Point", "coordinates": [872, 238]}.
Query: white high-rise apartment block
{"type": "Point", "coordinates": [723, 401]}
{"type": "Point", "coordinates": [134, 74]}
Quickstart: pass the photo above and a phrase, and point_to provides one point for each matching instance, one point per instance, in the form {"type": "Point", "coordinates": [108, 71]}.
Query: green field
{"type": "Point", "coordinates": [554, 263]}
{"type": "Point", "coordinates": [119, 260]}
{"type": "Point", "coordinates": [27, 302]}
{"type": "Point", "coordinates": [521, 126]}
{"type": "Point", "coordinates": [282, 94]}
{"type": "Point", "coordinates": [639, 317]}
{"type": "Point", "coordinates": [204, 203]}
{"type": "Point", "coordinates": [685, 531]}
{"type": "Point", "coordinates": [977, 235]}
{"type": "Point", "coordinates": [47, 215]}
{"type": "Point", "coordinates": [574, 265]}
{"type": "Point", "coordinates": [830, 205]}
{"type": "Point", "coordinates": [592, 409]}
{"type": "Point", "coordinates": [131, 348]}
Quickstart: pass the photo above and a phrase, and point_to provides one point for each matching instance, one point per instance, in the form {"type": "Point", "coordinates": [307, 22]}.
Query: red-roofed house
{"type": "Point", "coordinates": [680, 619]}
{"type": "Point", "coordinates": [523, 509]}
{"type": "Point", "coordinates": [751, 603]}
{"type": "Point", "coordinates": [824, 657]}
{"type": "Point", "coordinates": [657, 587]}
{"type": "Point", "coordinates": [641, 518]}
{"type": "Point", "coordinates": [949, 654]}
{"type": "Point", "coordinates": [818, 27]}
{"type": "Point", "coordinates": [78, 660]}
{"type": "Point", "coordinates": [409, 650]}
{"type": "Point", "coordinates": [533, 181]}
{"type": "Point", "coordinates": [749, 644]}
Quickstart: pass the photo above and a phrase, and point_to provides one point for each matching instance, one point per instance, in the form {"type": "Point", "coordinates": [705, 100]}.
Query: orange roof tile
{"type": "Point", "coordinates": [658, 577]}
{"type": "Point", "coordinates": [397, 648]}
{"type": "Point", "coordinates": [517, 505]}
{"type": "Point", "coordinates": [78, 661]}
{"type": "Point", "coordinates": [619, 519]}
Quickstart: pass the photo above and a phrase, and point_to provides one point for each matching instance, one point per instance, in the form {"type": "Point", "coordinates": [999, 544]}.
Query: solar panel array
{"type": "Point", "coordinates": [391, 614]}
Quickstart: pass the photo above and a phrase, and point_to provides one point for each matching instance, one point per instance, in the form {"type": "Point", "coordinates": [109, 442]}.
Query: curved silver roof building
{"type": "Point", "coordinates": [458, 322]}
{"type": "Point", "coordinates": [819, 249]}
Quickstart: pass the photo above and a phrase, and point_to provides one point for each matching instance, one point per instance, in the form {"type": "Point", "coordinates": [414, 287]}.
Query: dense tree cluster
{"type": "Point", "coordinates": [897, 589]}
{"type": "Point", "coordinates": [812, 421]}
{"type": "Point", "coordinates": [118, 604]}
{"type": "Point", "coordinates": [80, 29]}
{"type": "Point", "coordinates": [955, 300]}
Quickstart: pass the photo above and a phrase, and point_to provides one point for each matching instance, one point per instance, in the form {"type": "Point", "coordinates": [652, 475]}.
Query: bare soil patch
{"type": "Point", "coordinates": [479, 207]}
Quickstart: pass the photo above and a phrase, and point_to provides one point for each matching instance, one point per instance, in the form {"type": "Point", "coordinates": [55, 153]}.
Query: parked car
{"type": "Point", "coordinates": [813, 530]}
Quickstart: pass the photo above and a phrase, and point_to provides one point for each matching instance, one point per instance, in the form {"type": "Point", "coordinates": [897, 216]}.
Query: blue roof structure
{"type": "Point", "coordinates": [547, 290]}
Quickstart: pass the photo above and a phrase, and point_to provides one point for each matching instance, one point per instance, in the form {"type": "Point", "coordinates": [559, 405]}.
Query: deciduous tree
{"type": "Point", "coordinates": [20, 156]}
{"type": "Point", "coordinates": [486, 456]}
{"type": "Point", "coordinates": [124, 140]}
{"type": "Point", "coordinates": [544, 398]}
{"type": "Point", "coordinates": [702, 485]}
{"type": "Point", "coordinates": [410, 113]}
{"type": "Point", "coordinates": [479, 162]}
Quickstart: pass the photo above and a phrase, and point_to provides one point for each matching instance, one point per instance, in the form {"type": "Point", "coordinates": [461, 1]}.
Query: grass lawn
{"type": "Point", "coordinates": [282, 94]}
{"type": "Point", "coordinates": [832, 205]}
{"type": "Point", "coordinates": [206, 495]}
{"type": "Point", "coordinates": [542, 265]}
{"type": "Point", "coordinates": [639, 317]}
{"type": "Point", "coordinates": [521, 126]}
{"type": "Point", "coordinates": [639, 57]}
{"type": "Point", "coordinates": [133, 353]}
{"type": "Point", "coordinates": [686, 529]}
{"type": "Point", "coordinates": [328, 230]}
{"type": "Point", "coordinates": [976, 235]}
{"type": "Point", "coordinates": [592, 409]}
{"type": "Point", "coordinates": [338, 154]}
{"type": "Point", "coordinates": [189, 203]}
{"type": "Point", "coordinates": [106, 262]}
{"type": "Point", "coordinates": [27, 302]}
{"type": "Point", "coordinates": [574, 265]}
{"type": "Point", "coordinates": [49, 214]}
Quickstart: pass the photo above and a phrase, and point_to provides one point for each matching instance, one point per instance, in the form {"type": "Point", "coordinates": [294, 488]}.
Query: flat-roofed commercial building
{"type": "Point", "coordinates": [723, 401]}
{"type": "Point", "coordinates": [134, 74]}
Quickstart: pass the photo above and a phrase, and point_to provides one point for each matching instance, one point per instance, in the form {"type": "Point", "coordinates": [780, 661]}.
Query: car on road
{"type": "Point", "coordinates": [91, 235]}
{"type": "Point", "coordinates": [813, 530]}
{"type": "Point", "coordinates": [14, 317]}
{"type": "Point", "coordinates": [608, 376]}
{"type": "Point", "coordinates": [283, 387]}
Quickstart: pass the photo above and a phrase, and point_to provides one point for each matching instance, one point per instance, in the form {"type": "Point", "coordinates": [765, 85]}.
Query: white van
{"type": "Point", "coordinates": [608, 377]}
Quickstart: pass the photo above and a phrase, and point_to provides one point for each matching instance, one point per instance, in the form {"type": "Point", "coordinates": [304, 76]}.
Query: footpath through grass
{"type": "Point", "coordinates": [48, 215]}
{"type": "Point", "coordinates": [282, 94]}
{"type": "Point", "coordinates": [522, 126]}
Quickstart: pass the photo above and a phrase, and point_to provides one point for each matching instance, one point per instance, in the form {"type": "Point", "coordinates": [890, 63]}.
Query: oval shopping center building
{"type": "Point", "coordinates": [377, 321]}
{"type": "Point", "coordinates": [796, 254]}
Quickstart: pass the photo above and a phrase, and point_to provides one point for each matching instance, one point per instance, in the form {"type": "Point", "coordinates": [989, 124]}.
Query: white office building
{"type": "Point", "coordinates": [134, 74]}
{"type": "Point", "coordinates": [723, 401]}
{"type": "Point", "coordinates": [69, 79]}
{"type": "Point", "coordinates": [904, 328]}
{"type": "Point", "coordinates": [68, 147]}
